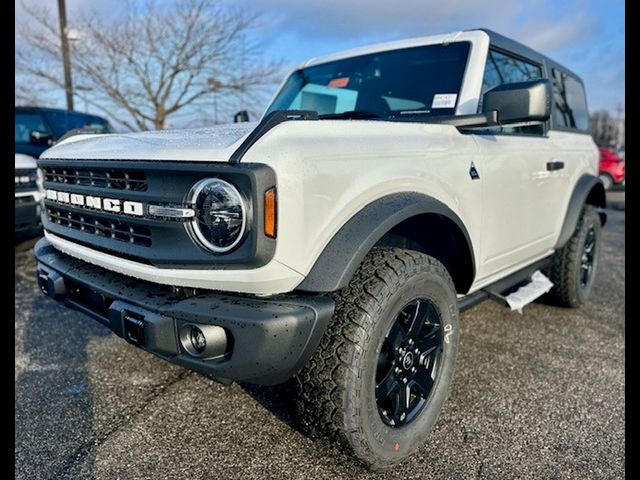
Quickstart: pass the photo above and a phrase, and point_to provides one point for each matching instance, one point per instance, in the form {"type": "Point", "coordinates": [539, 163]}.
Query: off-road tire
{"type": "Point", "coordinates": [336, 389]}
{"type": "Point", "coordinates": [565, 267]}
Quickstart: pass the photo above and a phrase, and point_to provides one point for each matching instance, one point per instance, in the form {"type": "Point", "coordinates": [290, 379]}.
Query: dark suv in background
{"type": "Point", "coordinates": [38, 128]}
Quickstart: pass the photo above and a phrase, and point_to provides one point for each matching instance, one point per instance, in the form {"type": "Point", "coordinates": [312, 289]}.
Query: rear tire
{"type": "Point", "coordinates": [573, 267]}
{"type": "Point", "coordinates": [342, 390]}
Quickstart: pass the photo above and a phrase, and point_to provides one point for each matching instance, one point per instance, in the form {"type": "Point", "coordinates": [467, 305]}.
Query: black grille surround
{"type": "Point", "coordinates": [161, 242]}
{"type": "Point", "coordinates": [118, 179]}
{"type": "Point", "coordinates": [31, 184]}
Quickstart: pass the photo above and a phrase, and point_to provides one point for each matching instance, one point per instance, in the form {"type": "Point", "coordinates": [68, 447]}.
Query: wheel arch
{"type": "Point", "coordinates": [589, 190]}
{"type": "Point", "coordinates": [405, 220]}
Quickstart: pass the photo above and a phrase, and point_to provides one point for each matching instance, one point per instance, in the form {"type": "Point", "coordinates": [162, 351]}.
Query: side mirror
{"type": "Point", "coordinates": [522, 102]}
{"type": "Point", "coordinates": [40, 138]}
{"type": "Point", "coordinates": [241, 116]}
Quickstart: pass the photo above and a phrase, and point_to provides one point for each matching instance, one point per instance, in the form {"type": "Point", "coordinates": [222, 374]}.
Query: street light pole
{"type": "Point", "coordinates": [83, 96]}
{"type": "Point", "coordinates": [620, 132]}
{"type": "Point", "coordinates": [214, 85]}
{"type": "Point", "coordinates": [68, 86]}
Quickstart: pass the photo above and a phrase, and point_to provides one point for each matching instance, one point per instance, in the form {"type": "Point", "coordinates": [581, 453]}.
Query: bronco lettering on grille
{"type": "Point", "coordinates": [112, 205]}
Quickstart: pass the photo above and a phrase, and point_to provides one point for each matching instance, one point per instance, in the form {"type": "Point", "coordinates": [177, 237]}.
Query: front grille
{"type": "Point", "coordinates": [114, 229]}
{"type": "Point", "coordinates": [147, 238]}
{"type": "Point", "coordinates": [25, 180]}
{"type": "Point", "coordinates": [94, 177]}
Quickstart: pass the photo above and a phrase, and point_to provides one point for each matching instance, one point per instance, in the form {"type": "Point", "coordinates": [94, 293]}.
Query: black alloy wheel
{"type": "Point", "coordinates": [586, 261]}
{"type": "Point", "coordinates": [408, 363]}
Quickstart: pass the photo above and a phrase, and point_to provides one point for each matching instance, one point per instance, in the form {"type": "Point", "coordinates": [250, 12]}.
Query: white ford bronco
{"type": "Point", "coordinates": [335, 241]}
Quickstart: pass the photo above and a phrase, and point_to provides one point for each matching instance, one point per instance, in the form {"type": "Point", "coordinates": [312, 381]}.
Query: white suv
{"type": "Point", "coordinates": [335, 242]}
{"type": "Point", "coordinates": [28, 193]}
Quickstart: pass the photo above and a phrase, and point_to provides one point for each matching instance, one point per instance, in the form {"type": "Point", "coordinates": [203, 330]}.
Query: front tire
{"type": "Point", "coordinates": [383, 370]}
{"type": "Point", "coordinates": [573, 267]}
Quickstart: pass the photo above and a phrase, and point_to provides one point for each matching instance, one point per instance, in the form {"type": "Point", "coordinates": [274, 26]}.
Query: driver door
{"type": "Point", "coordinates": [521, 190]}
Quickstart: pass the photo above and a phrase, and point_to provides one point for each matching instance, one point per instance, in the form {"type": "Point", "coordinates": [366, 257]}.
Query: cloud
{"type": "Point", "coordinates": [366, 18]}
{"type": "Point", "coordinates": [551, 36]}
{"type": "Point", "coordinates": [571, 32]}
{"type": "Point", "coordinates": [578, 33]}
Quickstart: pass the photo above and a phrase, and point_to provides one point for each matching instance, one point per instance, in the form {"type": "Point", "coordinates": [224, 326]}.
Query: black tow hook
{"type": "Point", "coordinates": [134, 329]}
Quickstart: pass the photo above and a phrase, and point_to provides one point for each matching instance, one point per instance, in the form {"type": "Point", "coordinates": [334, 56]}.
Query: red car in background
{"type": "Point", "coordinates": [611, 168]}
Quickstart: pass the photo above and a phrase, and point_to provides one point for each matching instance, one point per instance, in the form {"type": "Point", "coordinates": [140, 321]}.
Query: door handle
{"type": "Point", "coordinates": [555, 165]}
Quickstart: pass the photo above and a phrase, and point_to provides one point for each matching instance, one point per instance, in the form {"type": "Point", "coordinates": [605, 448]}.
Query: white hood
{"type": "Point", "coordinates": [212, 144]}
{"type": "Point", "coordinates": [24, 161]}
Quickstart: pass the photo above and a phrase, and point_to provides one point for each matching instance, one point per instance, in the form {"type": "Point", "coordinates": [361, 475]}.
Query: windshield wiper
{"type": "Point", "coordinates": [355, 114]}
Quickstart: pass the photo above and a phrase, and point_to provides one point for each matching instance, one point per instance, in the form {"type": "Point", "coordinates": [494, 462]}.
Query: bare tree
{"type": "Point", "coordinates": [28, 92]}
{"type": "Point", "coordinates": [152, 60]}
{"type": "Point", "coordinates": [605, 130]}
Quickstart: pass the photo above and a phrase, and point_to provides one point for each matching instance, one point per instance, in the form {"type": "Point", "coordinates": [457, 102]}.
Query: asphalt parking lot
{"type": "Point", "coordinates": [537, 395]}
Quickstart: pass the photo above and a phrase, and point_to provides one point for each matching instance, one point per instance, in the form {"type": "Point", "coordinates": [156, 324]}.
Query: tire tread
{"type": "Point", "coordinates": [563, 264]}
{"type": "Point", "coordinates": [324, 382]}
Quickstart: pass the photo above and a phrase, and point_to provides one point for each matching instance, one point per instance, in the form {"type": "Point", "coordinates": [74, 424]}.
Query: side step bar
{"type": "Point", "coordinates": [499, 290]}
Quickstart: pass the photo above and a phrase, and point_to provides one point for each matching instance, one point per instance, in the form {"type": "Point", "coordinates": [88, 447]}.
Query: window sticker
{"type": "Point", "coordinates": [444, 100]}
{"type": "Point", "coordinates": [340, 82]}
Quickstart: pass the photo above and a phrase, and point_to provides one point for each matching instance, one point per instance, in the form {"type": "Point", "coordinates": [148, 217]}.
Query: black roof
{"type": "Point", "coordinates": [519, 49]}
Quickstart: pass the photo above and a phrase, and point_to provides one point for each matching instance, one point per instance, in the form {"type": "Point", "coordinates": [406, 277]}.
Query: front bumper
{"type": "Point", "coordinates": [270, 339]}
{"type": "Point", "coordinates": [27, 213]}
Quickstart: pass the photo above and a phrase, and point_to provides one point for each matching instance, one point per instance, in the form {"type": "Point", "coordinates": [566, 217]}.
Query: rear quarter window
{"type": "Point", "coordinates": [570, 103]}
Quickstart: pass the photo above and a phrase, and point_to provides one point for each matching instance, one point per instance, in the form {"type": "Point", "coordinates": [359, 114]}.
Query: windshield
{"type": "Point", "coordinates": [26, 124]}
{"type": "Point", "coordinates": [424, 80]}
{"type": "Point", "coordinates": [62, 122]}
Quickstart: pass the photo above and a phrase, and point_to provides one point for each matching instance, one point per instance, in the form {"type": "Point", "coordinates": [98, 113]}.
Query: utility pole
{"type": "Point", "coordinates": [68, 86]}
{"type": "Point", "coordinates": [242, 75]}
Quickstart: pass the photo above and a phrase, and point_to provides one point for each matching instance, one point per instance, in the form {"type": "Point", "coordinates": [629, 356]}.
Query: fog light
{"type": "Point", "coordinates": [204, 341]}
{"type": "Point", "coordinates": [198, 340]}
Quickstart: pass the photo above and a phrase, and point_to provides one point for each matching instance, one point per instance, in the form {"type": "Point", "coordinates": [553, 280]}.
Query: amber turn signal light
{"type": "Point", "coordinates": [270, 206]}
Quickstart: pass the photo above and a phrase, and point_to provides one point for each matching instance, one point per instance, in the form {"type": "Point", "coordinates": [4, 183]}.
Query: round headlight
{"type": "Point", "coordinates": [220, 220]}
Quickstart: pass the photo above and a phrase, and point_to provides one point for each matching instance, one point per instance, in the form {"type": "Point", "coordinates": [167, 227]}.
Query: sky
{"type": "Point", "coordinates": [587, 36]}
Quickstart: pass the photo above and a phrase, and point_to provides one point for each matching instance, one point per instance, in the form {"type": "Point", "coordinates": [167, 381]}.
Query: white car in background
{"type": "Point", "coordinates": [28, 194]}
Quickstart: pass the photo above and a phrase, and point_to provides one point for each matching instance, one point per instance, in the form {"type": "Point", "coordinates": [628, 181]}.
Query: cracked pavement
{"type": "Point", "coordinates": [537, 395]}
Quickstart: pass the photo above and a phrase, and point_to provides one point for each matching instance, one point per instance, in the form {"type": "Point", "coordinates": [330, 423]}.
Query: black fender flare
{"type": "Point", "coordinates": [588, 190]}
{"type": "Point", "coordinates": [340, 258]}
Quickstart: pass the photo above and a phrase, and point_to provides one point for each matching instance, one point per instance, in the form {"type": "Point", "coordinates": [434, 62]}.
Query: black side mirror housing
{"type": "Point", "coordinates": [241, 116]}
{"type": "Point", "coordinates": [522, 102]}
{"type": "Point", "coordinates": [40, 138]}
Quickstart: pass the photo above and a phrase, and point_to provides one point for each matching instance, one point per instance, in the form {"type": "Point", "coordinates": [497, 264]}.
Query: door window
{"type": "Point", "coordinates": [502, 68]}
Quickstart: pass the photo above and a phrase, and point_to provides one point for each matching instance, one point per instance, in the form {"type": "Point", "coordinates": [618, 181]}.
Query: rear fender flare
{"type": "Point", "coordinates": [588, 190]}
